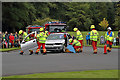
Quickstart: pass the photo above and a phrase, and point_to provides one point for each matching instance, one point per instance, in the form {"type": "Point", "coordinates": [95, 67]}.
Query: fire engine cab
{"type": "Point", "coordinates": [55, 27]}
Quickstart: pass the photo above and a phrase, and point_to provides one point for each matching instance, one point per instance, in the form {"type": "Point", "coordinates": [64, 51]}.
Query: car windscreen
{"type": "Point", "coordinates": [55, 36]}
{"type": "Point", "coordinates": [56, 28]}
{"type": "Point", "coordinates": [33, 30]}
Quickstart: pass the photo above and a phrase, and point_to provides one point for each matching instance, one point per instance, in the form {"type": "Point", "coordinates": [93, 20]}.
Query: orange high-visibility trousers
{"type": "Point", "coordinates": [109, 45]}
{"type": "Point", "coordinates": [39, 46]}
{"type": "Point", "coordinates": [94, 45]}
{"type": "Point", "coordinates": [81, 41]}
{"type": "Point", "coordinates": [77, 48]}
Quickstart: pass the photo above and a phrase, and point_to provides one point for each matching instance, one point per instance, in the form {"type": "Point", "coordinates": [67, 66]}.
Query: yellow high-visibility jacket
{"type": "Point", "coordinates": [41, 37]}
{"type": "Point", "coordinates": [79, 35]}
{"type": "Point", "coordinates": [94, 35]}
{"type": "Point", "coordinates": [109, 37]}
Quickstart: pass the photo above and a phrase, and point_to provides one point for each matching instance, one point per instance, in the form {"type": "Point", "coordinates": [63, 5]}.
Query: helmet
{"type": "Point", "coordinates": [46, 31]}
{"type": "Point", "coordinates": [20, 32]}
{"type": "Point", "coordinates": [41, 29]}
{"type": "Point", "coordinates": [75, 29]}
{"type": "Point", "coordinates": [109, 28]}
{"type": "Point", "coordinates": [70, 40]}
{"type": "Point", "coordinates": [92, 26]}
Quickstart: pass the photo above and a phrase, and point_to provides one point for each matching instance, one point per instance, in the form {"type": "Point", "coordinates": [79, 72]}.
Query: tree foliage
{"type": "Point", "coordinates": [76, 14]}
{"type": "Point", "coordinates": [104, 24]}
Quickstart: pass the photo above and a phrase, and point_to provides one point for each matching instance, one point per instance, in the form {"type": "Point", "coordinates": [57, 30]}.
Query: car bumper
{"type": "Point", "coordinates": [54, 48]}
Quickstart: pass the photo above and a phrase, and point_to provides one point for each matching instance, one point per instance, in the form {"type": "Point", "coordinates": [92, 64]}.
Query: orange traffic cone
{"type": "Point", "coordinates": [105, 49]}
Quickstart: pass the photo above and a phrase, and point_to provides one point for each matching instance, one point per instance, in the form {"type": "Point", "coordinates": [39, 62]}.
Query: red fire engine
{"type": "Point", "coordinates": [53, 27]}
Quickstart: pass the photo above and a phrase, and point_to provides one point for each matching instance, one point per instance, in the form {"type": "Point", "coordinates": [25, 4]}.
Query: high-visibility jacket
{"type": "Point", "coordinates": [76, 43]}
{"type": "Point", "coordinates": [109, 37]}
{"type": "Point", "coordinates": [94, 35]}
{"type": "Point", "coordinates": [79, 35]}
{"type": "Point", "coordinates": [24, 35]}
{"type": "Point", "coordinates": [41, 37]}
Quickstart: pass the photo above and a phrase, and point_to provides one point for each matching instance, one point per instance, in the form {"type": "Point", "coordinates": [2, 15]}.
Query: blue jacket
{"type": "Point", "coordinates": [87, 37]}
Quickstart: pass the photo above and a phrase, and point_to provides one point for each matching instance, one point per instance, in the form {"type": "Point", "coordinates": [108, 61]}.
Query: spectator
{"type": "Point", "coordinates": [117, 41]}
{"type": "Point", "coordinates": [11, 38]}
{"type": "Point", "coordinates": [4, 44]}
{"type": "Point", "coordinates": [3, 36]}
{"type": "Point", "coordinates": [114, 42]}
{"type": "Point", "coordinates": [7, 38]}
{"type": "Point", "coordinates": [0, 39]}
{"type": "Point", "coordinates": [119, 35]}
{"type": "Point", "coordinates": [102, 40]}
{"type": "Point", "coordinates": [16, 40]}
{"type": "Point", "coordinates": [87, 38]}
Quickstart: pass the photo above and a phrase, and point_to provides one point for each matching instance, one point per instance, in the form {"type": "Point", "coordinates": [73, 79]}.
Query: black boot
{"type": "Point", "coordinates": [36, 53]}
{"type": "Point", "coordinates": [21, 53]}
{"type": "Point", "coordinates": [108, 51]}
{"type": "Point", "coordinates": [44, 53]}
{"type": "Point", "coordinates": [31, 53]}
{"type": "Point", "coordinates": [95, 53]}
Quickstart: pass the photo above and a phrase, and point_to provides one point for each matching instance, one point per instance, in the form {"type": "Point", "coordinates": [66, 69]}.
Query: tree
{"type": "Point", "coordinates": [42, 21]}
{"type": "Point", "coordinates": [17, 15]}
{"type": "Point", "coordinates": [117, 16]}
{"type": "Point", "coordinates": [104, 24]}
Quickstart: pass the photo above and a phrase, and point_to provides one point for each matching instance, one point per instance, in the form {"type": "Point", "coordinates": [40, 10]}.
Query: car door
{"type": "Point", "coordinates": [28, 45]}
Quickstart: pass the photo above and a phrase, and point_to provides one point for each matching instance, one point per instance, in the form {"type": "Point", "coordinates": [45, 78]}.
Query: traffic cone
{"type": "Point", "coordinates": [105, 49]}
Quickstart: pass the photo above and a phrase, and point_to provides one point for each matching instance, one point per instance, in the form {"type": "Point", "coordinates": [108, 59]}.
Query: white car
{"type": "Point", "coordinates": [54, 42]}
{"type": "Point", "coordinates": [31, 44]}
{"type": "Point", "coordinates": [57, 42]}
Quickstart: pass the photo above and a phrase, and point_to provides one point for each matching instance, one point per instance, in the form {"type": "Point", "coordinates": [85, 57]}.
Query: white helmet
{"type": "Point", "coordinates": [109, 28]}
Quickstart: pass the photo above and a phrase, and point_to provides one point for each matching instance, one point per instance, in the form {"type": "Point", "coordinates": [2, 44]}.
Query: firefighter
{"type": "Point", "coordinates": [94, 37]}
{"type": "Point", "coordinates": [24, 34]}
{"type": "Point", "coordinates": [109, 36]}
{"type": "Point", "coordinates": [41, 39]}
{"type": "Point", "coordinates": [79, 37]}
{"type": "Point", "coordinates": [76, 44]}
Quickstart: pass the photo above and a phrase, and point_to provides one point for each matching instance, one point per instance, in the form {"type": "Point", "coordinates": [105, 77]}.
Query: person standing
{"type": "Point", "coordinates": [79, 37]}
{"type": "Point", "coordinates": [11, 40]}
{"type": "Point", "coordinates": [94, 37]}
{"type": "Point", "coordinates": [87, 38]}
{"type": "Point", "coordinates": [0, 39]}
{"type": "Point", "coordinates": [41, 39]}
{"type": "Point", "coordinates": [109, 36]}
{"type": "Point", "coordinates": [23, 35]}
{"type": "Point", "coordinates": [119, 36]}
{"type": "Point", "coordinates": [7, 38]}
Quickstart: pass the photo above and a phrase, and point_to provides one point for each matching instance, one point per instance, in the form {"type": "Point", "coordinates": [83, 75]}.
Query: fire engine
{"type": "Point", "coordinates": [51, 27]}
{"type": "Point", "coordinates": [31, 28]}
{"type": "Point", "coordinates": [55, 27]}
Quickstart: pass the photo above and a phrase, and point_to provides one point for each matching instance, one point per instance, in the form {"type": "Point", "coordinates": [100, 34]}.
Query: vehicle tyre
{"type": "Point", "coordinates": [63, 50]}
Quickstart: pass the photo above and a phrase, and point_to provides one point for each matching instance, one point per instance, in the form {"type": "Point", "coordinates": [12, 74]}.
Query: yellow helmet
{"type": "Point", "coordinates": [92, 26]}
{"type": "Point", "coordinates": [41, 29]}
{"type": "Point", "coordinates": [75, 29]}
{"type": "Point", "coordinates": [20, 32]}
{"type": "Point", "coordinates": [46, 31]}
{"type": "Point", "coordinates": [70, 40]}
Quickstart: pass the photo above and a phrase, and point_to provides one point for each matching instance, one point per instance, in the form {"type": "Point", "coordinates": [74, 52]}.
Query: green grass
{"type": "Point", "coordinates": [77, 74]}
{"type": "Point", "coordinates": [101, 33]}
{"type": "Point", "coordinates": [8, 49]}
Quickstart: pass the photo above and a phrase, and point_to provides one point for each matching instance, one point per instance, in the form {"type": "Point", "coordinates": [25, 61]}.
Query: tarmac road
{"type": "Point", "coordinates": [15, 64]}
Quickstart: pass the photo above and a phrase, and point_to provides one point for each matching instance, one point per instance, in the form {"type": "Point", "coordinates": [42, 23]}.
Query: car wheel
{"type": "Point", "coordinates": [63, 50]}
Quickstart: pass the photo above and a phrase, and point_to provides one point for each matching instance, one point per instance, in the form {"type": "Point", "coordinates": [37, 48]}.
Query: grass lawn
{"type": "Point", "coordinates": [76, 74]}
{"type": "Point", "coordinates": [101, 33]}
{"type": "Point", "coordinates": [8, 49]}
